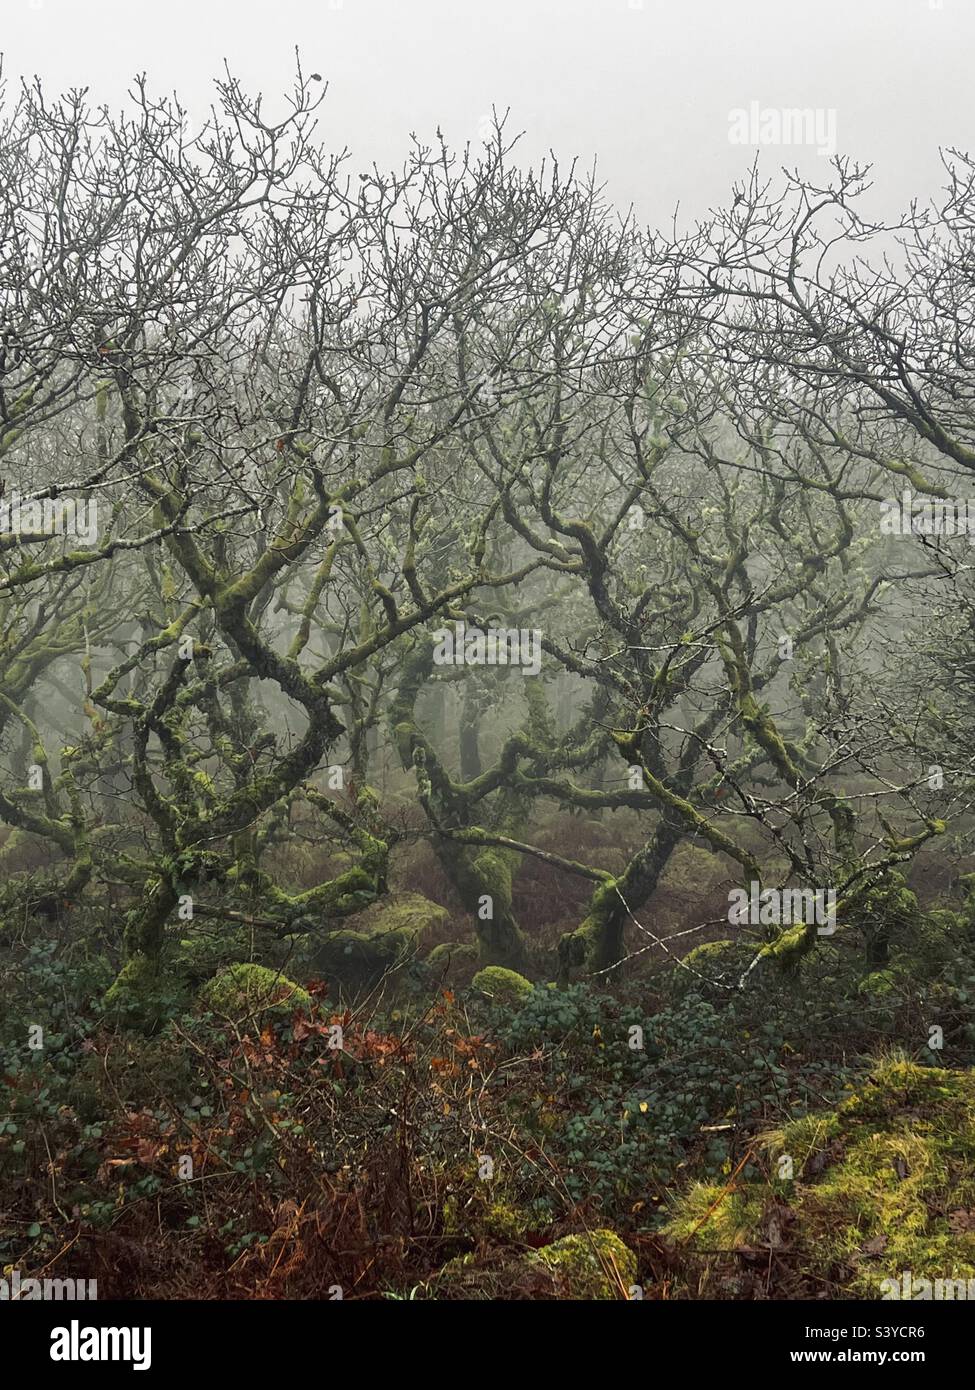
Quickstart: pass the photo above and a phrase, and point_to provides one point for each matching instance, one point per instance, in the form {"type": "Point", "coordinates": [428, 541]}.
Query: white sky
{"type": "Point", "coordinates": [646, 87]}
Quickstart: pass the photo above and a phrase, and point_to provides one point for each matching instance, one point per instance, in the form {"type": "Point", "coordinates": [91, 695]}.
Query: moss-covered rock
{"type": "Point", "coordinates": [451, 951]}
{"type": "Point", "coordinates": [711, 961]}
{"type": "Point", "coordinates": [243, 990]}
{"type": "Point", "coordinates": [492, 1276]}
{"type": "Point", "coordinates": [379, 942]}
{"type": "Point", "coordinates": [411, 913]}
{"type": "Point", "coordinates": [474, 1216]}
{"type": "Point", "coordinates": [883, 1184]}
{"type": "Point", "coordinates": [355, 960]}
{"type": "Point", "coordinates": [502, 986]}
{"type": "Point", "coordinates": [452, 963]}
{"type": "Point", "coordinates": [595, 1265]}
{"type": "Point", "coordinates": [505, 1222]}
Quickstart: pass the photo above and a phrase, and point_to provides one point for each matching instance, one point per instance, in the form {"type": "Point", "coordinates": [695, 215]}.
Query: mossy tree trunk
{"type": "Point", "coordinates": [597, 943]}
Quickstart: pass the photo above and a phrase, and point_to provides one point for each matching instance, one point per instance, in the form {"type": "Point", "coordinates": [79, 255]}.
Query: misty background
{"type": "Point", "coordinates": [645, 85]}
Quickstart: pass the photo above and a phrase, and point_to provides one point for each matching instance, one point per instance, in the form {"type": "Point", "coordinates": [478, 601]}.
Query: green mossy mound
{"type": "Point", "coordinates": [475, 1217]}
{"type": "Point", "coordinates": [406, 912]}
{"type": "Point", "coordinates": [490, 1277]}
{"type": "Point", "coordinates": [596, 1265]}
{"type": "Point", "coordinates": [354, 960]}
{"type": "Point", "coordinates": [709, 962]}
{"type": "Point", "coordinates": [882, 1185]}
{"type": "Point", "coordinates": [449, 951]}
{"type": "Point", "coordinates": [384, 938]}
{"type": "Point", "coordinates": [505, 1222]}
{"type": "Point", "coordinates": [244, 990]}
{"type": "Point", "coordinates": [452, 962]}
{"type": "Point", "coordinates": [502, 986]}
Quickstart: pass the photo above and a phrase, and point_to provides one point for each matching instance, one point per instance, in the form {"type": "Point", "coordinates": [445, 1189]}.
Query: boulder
{"type": "Point", "coordinates": [245, 990]}
{"type": "Point", "coordinates": [502, 986]}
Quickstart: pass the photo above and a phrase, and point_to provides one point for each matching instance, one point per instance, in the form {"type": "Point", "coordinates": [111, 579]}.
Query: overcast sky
{"type": "Point", "coordinates": [647, 86]}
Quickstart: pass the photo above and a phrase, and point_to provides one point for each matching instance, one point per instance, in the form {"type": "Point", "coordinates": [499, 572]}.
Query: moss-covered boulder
{"type": "Point", "coordinates": [452, 963]}
{"type": "Point", "coordinates": [491, 1276]}
{"type": "Point", "coordinates": [354, 960]}
{"type": "Point", "coordinates": [450, 952]}
{"type": "Point", "coordinates": [505, 1222]}
{"type": "Point", "coordinates": [246, 990]}
{"type": "Point", "coordinates": [379, 941]}
{"type": "Point", "coordinates": [883, 1184]}
{"type": "Point", "coordinates": [411, 913]}
{"type": "Point", "coordinates": [473, 1215]}
{"type": "Point", "coordinates": [594, 1265]}
{"type": "Point", "coordinates": [502, 986]}
{"type": "Point", "coordinates": [710, 962]}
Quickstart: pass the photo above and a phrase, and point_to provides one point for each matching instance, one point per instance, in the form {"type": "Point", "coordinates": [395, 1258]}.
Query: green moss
{"type": "Point", "coordinates": [494, 869]}
{"type": "Point", "coordinates": [136, 977]}
{"type": "Point", "coordinates": [728, 1218]}
{"type": "Point", "coordinates": [141, 996]}
{"type": "Point", "coordinates": [711, 960]}
{"type": "Point", "coordinates": [410, 913]}
{"type": "Point", "coordinates": [384, 938]}
{"type": "Point", "coordinates": [709, 954]}
{"type": "Point", "coordinates": [502, 986]}
{"type": "Point", "coordinates": [875, 1185]}
{"type": "Point", "coordinates": [478, 1217]}
{"type": "Point", "coordinates": [880, 984]}
{"type": "Point", "coordinates": [789, 947]}
{"type": "Point", "coordinates": [596, 1265]}
{"type": "Point", "coordinates": [448, 951]}
{"type": "Point", "coordinates": [253, 989]}
{"type": "Point", "coordinates": [505, 1222]}
{"type": "Point", "coordinates": [197, 958]}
